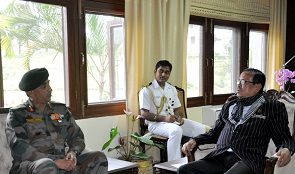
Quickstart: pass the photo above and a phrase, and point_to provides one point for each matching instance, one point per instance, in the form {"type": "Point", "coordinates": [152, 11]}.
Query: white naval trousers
{"type": "Point", "coordinates": [175, 132]}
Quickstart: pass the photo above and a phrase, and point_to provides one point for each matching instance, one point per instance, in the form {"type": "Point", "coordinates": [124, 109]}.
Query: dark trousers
{"type": "Point", "coordinates": [227, 163]}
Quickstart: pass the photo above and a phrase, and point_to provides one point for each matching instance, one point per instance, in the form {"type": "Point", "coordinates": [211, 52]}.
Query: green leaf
{"type": "Point", "coordinates": [146, 141]}
{"type": "Point", "coordinates": [143, 139]}
{"type": "Point", "coordinates": [113, 134]}
{"type": "Point", "coordinates": [140, 155]}
{"type": "Point", "coordinates": [136, 134]}
{"type": "Point", "coordinates": [117, 147]}
{"type": "Point", "coordinates": [161, 146]}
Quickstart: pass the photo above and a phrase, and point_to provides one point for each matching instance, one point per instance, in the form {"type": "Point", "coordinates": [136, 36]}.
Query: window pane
{"type": "Point", "coordinates": [31, 37]}
{"type": "Point", "coordinates": [194, 61]}
{"type": "Point", "coordinates": [105, 58]}
{"type": "Point", "coordinates": [226, 59]}
{"type": "Point", "coordinates": [257, 50]}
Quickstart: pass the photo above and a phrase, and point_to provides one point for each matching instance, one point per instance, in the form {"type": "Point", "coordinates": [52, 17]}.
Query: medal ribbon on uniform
{"type": "Point", "coordinates": [57, 117]}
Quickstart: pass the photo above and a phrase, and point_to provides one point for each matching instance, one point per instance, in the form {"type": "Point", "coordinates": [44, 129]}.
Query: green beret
{"type": "Point", "coordinates": [33, 79]}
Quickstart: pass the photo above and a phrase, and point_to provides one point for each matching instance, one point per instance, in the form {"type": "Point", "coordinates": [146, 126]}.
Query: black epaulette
{"type": "Point", "coordinates": [148, 84]}
{"type": "Point", "coordinates": [25, 106]}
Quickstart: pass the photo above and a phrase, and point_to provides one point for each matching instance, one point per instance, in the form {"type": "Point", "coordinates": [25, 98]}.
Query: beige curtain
{"type": "Point", "coordinates": [155, 30]}
{"type": "Point", "coordinates": [277, 40]}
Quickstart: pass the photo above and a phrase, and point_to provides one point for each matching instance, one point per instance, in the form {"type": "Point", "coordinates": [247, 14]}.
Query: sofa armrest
{"type": "Point", "coordinates": [192, 156]}
{"type": "Point", "coordinates": [5, 153]}
{"type": "Point", "coordinates": [270, 165]}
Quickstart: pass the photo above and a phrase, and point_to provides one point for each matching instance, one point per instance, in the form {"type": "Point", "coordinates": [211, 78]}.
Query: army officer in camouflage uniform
{"type": "Point", "coordinates": [39, 131]}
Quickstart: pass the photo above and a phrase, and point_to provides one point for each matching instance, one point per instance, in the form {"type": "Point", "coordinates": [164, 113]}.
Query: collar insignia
{"type": "Point", "coordinates": [31, 108]}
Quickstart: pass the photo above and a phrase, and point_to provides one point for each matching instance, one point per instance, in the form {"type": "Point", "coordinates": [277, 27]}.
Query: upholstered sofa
{"type": "Point", "coordinates": [5, 154]}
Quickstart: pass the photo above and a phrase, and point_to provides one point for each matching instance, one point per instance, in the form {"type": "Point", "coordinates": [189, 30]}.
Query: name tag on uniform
{"type": "Point", "coordinates": [32, 120]}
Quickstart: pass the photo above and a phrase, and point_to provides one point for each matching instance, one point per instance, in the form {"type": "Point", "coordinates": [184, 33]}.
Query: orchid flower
{"type": "Point", "coordinates": [128, 113]}
{"type": "Point", "coordinates": [283, 76]}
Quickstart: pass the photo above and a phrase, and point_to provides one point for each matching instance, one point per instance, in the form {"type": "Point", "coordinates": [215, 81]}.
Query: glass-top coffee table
{"type": "Point", "coordinates": [117, 166]}
{"type": "Point", "coordinates": [170, 166]}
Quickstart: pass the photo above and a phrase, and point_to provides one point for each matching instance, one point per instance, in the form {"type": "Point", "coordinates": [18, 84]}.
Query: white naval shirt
{"type": "Point", "coordinates": [169, 91]}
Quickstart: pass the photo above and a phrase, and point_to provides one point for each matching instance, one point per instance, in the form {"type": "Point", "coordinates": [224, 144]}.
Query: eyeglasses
{"type": "Point", "coordinates": [243, 81]}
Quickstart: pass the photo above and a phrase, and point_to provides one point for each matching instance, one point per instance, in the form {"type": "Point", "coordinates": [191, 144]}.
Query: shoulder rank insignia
{"type": "Point", "coordinates": [148, 84]}
{"type": "Point", "coordinates": [57, 117]}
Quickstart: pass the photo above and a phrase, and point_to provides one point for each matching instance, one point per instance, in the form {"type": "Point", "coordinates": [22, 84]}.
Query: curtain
{"type": "Point", "coordinates": [277, 39]}
{"type": "Point", "coordinates": [155, 30]}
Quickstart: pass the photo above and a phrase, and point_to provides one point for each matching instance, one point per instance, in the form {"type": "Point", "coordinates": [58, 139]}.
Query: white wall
{"type": "Point", "coordinates": [97, 130]}
{"type": "Point", "coordinates": [195, 114]}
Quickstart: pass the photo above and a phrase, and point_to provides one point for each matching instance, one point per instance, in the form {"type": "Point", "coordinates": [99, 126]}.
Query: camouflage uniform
{"type": "Point", "coordinates": [36, 139]}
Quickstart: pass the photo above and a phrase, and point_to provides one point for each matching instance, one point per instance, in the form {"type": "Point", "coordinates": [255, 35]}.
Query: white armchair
{"type": "Point", "coordinates": [290, 106]}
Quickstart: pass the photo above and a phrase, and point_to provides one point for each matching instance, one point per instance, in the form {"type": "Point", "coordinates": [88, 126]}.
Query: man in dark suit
{"type": "Point", "coordinates": [243, 131]}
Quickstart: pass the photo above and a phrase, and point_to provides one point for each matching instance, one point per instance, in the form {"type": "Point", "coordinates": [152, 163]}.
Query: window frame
{"type": "Point", "coordinates": [89, 110]}
{"type": "Point", "coordinates": [255, 27]}
{"type": "Point", "coordinates": [208, 97]}
{"type": "Point", "coordinates": [69, 42]}
{"type": "Point", "coordinates": [74, 43]}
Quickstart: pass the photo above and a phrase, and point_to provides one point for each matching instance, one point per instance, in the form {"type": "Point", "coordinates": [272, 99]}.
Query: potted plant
{"type": "Point", "coordinates": [131, 149]}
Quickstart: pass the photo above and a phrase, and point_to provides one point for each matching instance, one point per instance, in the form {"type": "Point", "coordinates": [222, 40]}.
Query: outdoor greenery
{"type": "Point", "coordinates": [222, 72]}
{"type": "Point", "coordinates": [32, 27]}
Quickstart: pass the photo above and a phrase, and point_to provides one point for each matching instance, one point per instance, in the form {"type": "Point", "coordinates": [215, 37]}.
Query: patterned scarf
{"type": "Point", "coordinates": [237, 111]}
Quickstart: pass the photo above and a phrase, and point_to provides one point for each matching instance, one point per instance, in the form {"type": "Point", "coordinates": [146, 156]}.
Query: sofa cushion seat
{"type": "Point", "coordinates": [5, 153]}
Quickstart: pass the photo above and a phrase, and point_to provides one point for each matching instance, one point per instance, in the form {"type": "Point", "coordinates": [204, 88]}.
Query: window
{"type": "Point", "coordinates": [217, 52]}
{"type": "Point", "coordinates": [32, 37]}
{"type": "Point", "coordinates": [258, 49]}
{"type": "Point", "coordinates": [194, 59]}
{"type": "Point", "coordinates": [105, 58]}
{"type": "Point", "coordinates": [101, 47]}
{"type": "Point", "coordinates": [226, 58]}
{"type": "Point", "coordinates": [86, 68]}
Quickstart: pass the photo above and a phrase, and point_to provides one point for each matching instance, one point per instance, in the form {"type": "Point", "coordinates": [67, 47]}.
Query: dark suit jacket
{"type": "Point", "coordinates": [265, 119]}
